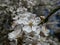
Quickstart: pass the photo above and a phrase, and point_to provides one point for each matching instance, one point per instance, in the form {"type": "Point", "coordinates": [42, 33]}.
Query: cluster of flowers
{"type": "Point", "coordinates": [27, 23]}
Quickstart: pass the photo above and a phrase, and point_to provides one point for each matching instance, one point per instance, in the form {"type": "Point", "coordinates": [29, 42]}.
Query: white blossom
{"type": "Point", "coordinates": [27, 22]}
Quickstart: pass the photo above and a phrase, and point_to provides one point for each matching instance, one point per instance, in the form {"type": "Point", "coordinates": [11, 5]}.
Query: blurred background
{"type": "Point", "coordinates": [38, 7]}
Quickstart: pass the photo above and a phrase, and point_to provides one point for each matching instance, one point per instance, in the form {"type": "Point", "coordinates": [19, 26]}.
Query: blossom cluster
{"type": "Point", "coordinates": [27, 23]}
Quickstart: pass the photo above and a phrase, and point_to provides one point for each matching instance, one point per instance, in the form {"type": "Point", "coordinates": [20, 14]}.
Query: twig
{"type": "Point", "coordinates": [46, 19]}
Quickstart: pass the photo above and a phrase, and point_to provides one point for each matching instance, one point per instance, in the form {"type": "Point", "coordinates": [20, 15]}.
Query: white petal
{"type": "Point", "coordinates": [15, 33]}
{"type": "Point", "coordinates": [27, 29]}
{"type": "Point", "coordinates": [45, 30]}
{"type": "Point", "coordinates": [36, 29]}
{"type": "Point", "coordinates": [36, 21]}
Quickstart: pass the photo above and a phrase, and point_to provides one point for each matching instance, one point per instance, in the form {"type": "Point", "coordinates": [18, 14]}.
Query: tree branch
{"type": "Point", "coordinates": [46, 19]}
